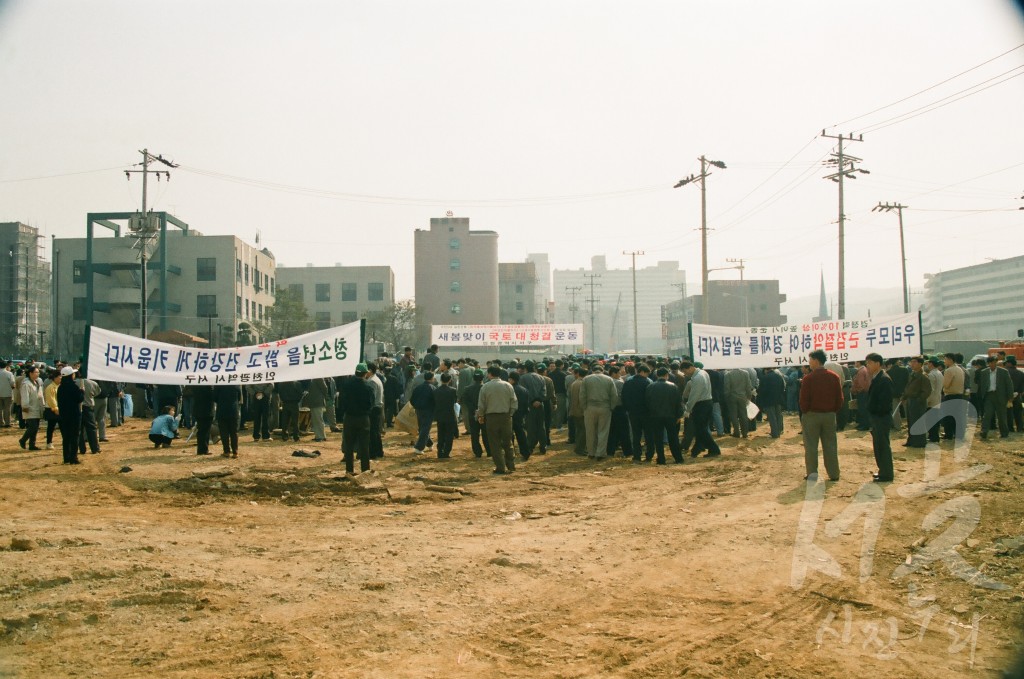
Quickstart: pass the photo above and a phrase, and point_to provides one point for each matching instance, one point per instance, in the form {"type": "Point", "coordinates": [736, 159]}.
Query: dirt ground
{"type": "Point", "coordinates": [728, 567]}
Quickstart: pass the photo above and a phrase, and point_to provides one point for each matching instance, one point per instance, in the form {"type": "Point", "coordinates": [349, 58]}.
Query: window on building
{"type": "Point", "coordinates": [375, 292]}
{"type": "Point", "coordinates": [206, 268]}
{"type": "Point", "coordinates": [519, 288]}
{"type": "Point", "coordinates": [206, 305]}
{"type": "Point", "coordinates": [246, 280]}
{"type": "Point", "coordinates": [323, 292]}
{"type": "Point", "coordinates": [348, 292]}
{"type": "Point", "coordinates": [323, 320]}
{"type": "Point", "coordinates": [349, 317]}
{"type": "Point", "coordinates": [519, 306]}
{"type": "Point", "coordinates": [456, 286]}
{"type": "Point", "coordinates": [272, 287]}
{"type": "Point", "coordinates": [252, 309]}
{"type": "Point", "coordinates": [297, 290]}
{"type": "Point", "coordinates": [455, 265]}
{"type": "Point", "coordinates": [260, 307]}
{"type": "Point", "coordinates": [238, 305]}
{"type": "Point", "coordinates": [78, 271]}
{"type": "Point", "coordinates": [78, 309]}
{"type": "Point", "coordinates": [257, 280]}
{"type": "Point", "coordinates": [454, 244]}
{"type": "Point", "coordinates": [456, 308]}
{"type": "Point", "coordinates": [238, 269]}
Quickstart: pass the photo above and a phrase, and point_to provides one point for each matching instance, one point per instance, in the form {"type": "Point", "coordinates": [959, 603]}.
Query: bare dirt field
{"type": "Point", "coordinates": [728, 567]}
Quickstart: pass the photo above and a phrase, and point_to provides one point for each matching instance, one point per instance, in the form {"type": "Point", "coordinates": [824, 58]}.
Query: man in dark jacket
{"type": "Point", "coordinates": [996, 390]}
{"type": "Point", "coordinates": [899, 375]}
{"type": "Point", "coordinates": [470, 401]}
{"type": "Point", "coordinates": [880, 400]}
{"type": "Point", "coordinates": [771, 397]}
{"type": "Point", "coordinates": [519, 417]}
{"type": "Point", "coordinates": [915, 396]}
{"type": "Point", "coordinates": [664, 410]}
{"type": "Point", "coordinates": [422, 399]}
{"type": "Point", "coordinates": [355, 400]}
{"type": "Point", "coordinates": [445, 397]}
{"type": "Point", "coordinates": [291, 394]}
{"type": "Point", "coordinates": [228, 398]}
{"type": "Point", "coordinates": [202, 410]}
{"type": "Point", "coordinates": [634, 400]}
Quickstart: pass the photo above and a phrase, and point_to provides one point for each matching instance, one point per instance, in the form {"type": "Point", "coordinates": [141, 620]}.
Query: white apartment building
{"type": "Point", "coordinates": [982, 301]}
{"type": "Point", "coordinates": [336, 295]}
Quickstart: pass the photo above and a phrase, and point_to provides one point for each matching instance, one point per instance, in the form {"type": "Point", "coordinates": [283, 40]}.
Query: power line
{"type": "Point", "coordinates": [65, 174]}
{"type": "Point", "coordinates": [927, 89]}
{"type": "Point", "coordinates": [937, 104]}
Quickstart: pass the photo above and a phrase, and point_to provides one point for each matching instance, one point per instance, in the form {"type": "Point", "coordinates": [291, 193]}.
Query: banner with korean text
{"type": "Point", "coordinates": [719, 346]}
{"type": "Point", "coordinates": [541, 334]}
{"type": "Point", "coordinates": [323, 353]}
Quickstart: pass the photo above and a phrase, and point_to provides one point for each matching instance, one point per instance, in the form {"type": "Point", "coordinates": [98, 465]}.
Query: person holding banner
{"type": "Point", "coordinates": [821, 397]}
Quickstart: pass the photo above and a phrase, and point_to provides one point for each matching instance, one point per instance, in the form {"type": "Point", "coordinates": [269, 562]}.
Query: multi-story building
{"type": "Point", "coordinates": [215, 287]}
{"type": "Point", "coordinates": [456, 275]}
{"type": "Point", "coordinates": [24, 292]}
{"type": "Point", "coordinates": [676, 325]}
{"type": "Point", "coordinates": [606, 308]}
{"type": "Point", "coordinates": [543, 301]}
{"type": "Point", "coordinates": [516, 298]}
{"type": "Point", "coordinates": [747, 303]}
{"type": "Point", "coordinates": [336, 295]}
{"type": "Point", "coordinates": [982, 301]}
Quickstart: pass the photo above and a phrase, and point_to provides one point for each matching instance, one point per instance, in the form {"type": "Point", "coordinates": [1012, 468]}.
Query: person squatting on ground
{"type": "Point", "coordinates": [164, 428]}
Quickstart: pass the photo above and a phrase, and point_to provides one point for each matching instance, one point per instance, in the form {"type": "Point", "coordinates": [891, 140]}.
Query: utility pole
{"type": "Point", "coordinates": [889, 207]}
{"type": "Point", "coordinates": [841, 162]}
{"type": "Point", "coordinates": [682, 308]}
{"type": "Point", "coordinates": [739, 263]}
{"type": "Point", "coordinates": [636, 334]}
{"type": "Point", "coordinates": [593, 300]}
{"type": "Point", "coordinates": [704, 162]}
{"type": "Point", "coordinates": [573, 289]}
{"type": "Point", "coordinates": [145, 232]}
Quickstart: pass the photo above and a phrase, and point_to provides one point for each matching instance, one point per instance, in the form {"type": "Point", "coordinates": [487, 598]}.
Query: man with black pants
{"type": "Point", "coordinates": [915, 395]}
{"type": "Point", "coordinates": [469, 401]}
{"type": "Point", "coordinates": [1016, 415]}
{"type": "Point", "coordinates": [953, 384]}
{"type": "Point", "coordinates": [445, 398]}
{"type": "Point", "coordinates": [880, 398]}
{"type": "Point", "coordinates": [996, 389]}
{"type": "Point", "coordinates": [698, 409]}
{"type": "Point", "coordinates": [355, 400]}
{"type": "Point", "coordinates": [228, 398]}
{"type": "Point", "coordinates": [634, 400]}
{"type": "Point", "coordinates": [664, 411]}
{"type": "Point", "coordinates": [520, 415]}
{"type": "Point", "coordinates": [422, 400]}
{"type": "Point", "coordinates": [202, 409]}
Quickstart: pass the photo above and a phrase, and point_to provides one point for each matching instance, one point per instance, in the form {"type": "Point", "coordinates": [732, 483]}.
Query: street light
{"type": "Point", "coordinates": [704, 162]}
{"type": "Point", "coordinates": [41, 333]}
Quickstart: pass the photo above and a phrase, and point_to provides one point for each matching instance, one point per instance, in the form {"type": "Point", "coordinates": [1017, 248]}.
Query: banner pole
{"type": "Point", "coordinates": [362, 340]}
{"type": "Point", "coordinates": [85, 348]}
{"type": "Point", "coordinates": [689, 333]}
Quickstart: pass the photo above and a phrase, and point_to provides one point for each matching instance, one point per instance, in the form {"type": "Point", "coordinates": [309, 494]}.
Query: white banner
{"type": "Point", "coordinates": [324, 353]}
{"type": "Point", "coordinates": [540, 334]}
{"type": "Point", "coordinates": [719, 346]}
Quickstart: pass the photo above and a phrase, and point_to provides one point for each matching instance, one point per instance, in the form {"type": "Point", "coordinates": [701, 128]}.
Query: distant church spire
{"type": "Point", "coordinates": [823, 314]}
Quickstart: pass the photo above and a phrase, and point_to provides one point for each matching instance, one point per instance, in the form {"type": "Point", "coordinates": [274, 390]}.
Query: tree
{"type": "Point", "coordinates": [287, 318]}
{"type": "Point", "coordinates": [395, 324]}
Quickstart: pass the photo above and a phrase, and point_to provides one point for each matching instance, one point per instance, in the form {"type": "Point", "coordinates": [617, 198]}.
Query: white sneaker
{"type": "Point", "coordinates": [49, 446]}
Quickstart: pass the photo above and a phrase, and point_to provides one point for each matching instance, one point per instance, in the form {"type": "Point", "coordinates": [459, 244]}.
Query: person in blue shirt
{"type": "Point", "coordinates": [165, 428]}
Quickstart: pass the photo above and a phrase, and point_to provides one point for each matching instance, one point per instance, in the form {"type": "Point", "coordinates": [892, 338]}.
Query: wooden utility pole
{"type": "Point", "coordinates": [845, 167]}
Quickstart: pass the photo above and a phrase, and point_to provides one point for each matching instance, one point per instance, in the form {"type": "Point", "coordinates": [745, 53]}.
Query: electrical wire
{"type": "Point", "coordinates": [937, 104]}
{"type": "Point", "coordinates": [927, 89]}
{"type": "Point", "coordinates": [65, 174]}
{"type": "Point", "coordinates": [770, 177]}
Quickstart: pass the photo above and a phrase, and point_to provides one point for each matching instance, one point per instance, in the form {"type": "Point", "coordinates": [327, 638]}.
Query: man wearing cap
{"type": "Point", "coordinates": [536, 389]}
{"type": "Point", "coordinates": [469, 401]}
{"type": "Point", "coordinates": [355, 400]}
{"type": "Point", "coordinates": [634, 400]}
{"type": "Point", "coordinates": [821, 397]}
{"type": "Point", "coordinates": [664, 411]}
{"type": "Point", "coordinates": [996, 389]}
{"type": "Point", "coordinates": [69, 407]}
{"type": "Point", "coordinates": [494, 410]}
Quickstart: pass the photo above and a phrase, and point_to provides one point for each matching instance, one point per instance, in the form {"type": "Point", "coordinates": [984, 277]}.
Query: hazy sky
{"type": "Point", "coordinates": [337, 128]}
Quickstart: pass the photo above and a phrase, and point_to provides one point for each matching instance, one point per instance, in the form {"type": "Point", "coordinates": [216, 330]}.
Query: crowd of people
{"type": "Point", "coordinates": [508, 409]}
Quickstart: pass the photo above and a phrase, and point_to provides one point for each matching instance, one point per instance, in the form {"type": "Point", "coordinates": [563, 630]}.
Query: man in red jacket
{"type": "Point", "coordinates": [821, 397]}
